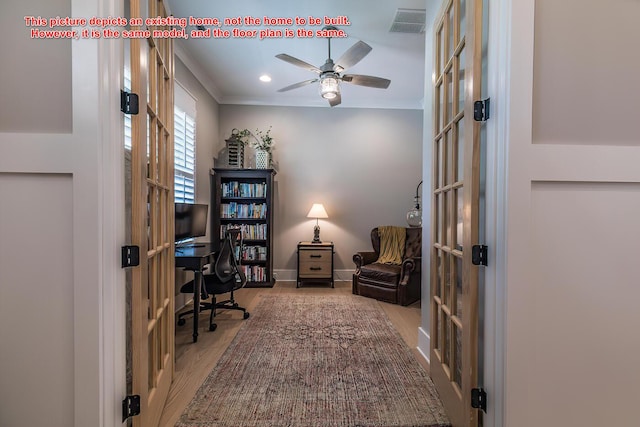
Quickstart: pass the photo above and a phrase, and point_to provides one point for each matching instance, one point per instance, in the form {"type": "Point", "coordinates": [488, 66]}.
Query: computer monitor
{"type": "Point", "coordinates": [191, 221]}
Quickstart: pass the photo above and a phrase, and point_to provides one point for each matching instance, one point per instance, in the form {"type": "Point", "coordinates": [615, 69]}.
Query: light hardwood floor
{"type": "Point", "coordinates": [194, 361]}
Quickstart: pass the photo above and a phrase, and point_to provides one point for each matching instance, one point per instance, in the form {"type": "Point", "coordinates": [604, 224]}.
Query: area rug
{"type": "Point", "coordinates": [316, 362]}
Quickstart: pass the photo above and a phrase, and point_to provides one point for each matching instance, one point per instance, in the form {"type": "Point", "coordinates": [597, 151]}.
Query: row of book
{"type": "Point", "coordinates": [244, 189]}
{"type": "Point", "coordinates": [249, 231]}
{"type": "Point", "coordinates": [255, 273]}
{"type": "Point", "coordinates": [243, 210]}
{"type": "Point", "coordinates": [254, 253]}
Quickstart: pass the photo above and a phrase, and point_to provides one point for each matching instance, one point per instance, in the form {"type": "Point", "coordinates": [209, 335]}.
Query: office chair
{"type": "Point", "coordinates": [227, 277]}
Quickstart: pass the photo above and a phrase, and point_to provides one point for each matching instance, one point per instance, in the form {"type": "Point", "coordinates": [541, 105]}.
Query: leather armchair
{"type": "Point", "coordinates": [397, 284]}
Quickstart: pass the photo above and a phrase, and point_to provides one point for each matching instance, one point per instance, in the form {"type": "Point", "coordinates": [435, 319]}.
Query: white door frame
{"type": "Point", "coordinates": [498, 89]}
{"type": "Point", "coordinates": [112, 307]}
{"type": "Point", "coordinates": [112, 210]}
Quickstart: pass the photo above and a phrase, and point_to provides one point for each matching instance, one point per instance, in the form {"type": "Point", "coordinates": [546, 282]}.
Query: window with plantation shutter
{"type": "Point", "coordinates": [184, 131]}
{"type": "Point", "coordinates": [184, 139]}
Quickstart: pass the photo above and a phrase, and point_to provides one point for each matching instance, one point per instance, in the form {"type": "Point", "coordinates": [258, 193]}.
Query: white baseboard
{"type": "Point", "coordinates": [292, 275]}
{"type": "Point", "coordinates": [424, 344]}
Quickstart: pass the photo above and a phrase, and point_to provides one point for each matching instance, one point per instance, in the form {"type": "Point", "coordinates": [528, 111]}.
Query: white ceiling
{"type": "Point", "coordinates": [230, 68]}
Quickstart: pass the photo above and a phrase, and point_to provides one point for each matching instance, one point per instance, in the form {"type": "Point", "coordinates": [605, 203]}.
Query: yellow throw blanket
{"type": "Point", "coordinates": [392, 242]}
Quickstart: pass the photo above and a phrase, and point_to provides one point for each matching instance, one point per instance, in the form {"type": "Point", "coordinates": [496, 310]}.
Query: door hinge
{"type": "Point", "coordinates": [481, 110]}
{"type": "Point", "coordinates": [130, 256]}
{"type": "Point", "coordinates": [479, 255]}
{"type": "Point", "coordinates": [479, 399]}
{"type": "Point", "coordinates": [130, 406]}
{"type": "Point", "coordinates": [128, 102]}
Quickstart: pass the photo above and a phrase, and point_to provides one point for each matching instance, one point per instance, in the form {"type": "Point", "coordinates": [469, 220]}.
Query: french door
{"type": "Point", "coordinates": [152, 217]}
{"type": "Point", "coordinates": [455, 208]}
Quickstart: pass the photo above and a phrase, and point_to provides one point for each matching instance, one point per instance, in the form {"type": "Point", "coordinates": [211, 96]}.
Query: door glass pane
{"type": "Point", "coordinates": [447, 279]}
{"type": "Point", "coordinates": [149, 243]}
{"type": "Point", "coordinates": [156, 218]}
{"type": "Point", "coordinates": [153, 274]}
{"type": "Point", "coordinates": [440, 165]}
{"type": "Point", "coordinates": [438, 272]}
{"type": "Point", "coordinates": [447, 339]}
{"type": "Point", "coordinates": [161, 344]}
{"type": "Point", "coordinates": [462, 7]}
{"type": "Point", "coordinates": [436, 112]}
{"type": "Point", "coordinates": [449, 100]}
{"type": "Point", "coordinates": [460, 150]}
{"type": "Point", "coordinates": [459, 218]}
{"type": "Point", "coordinates": [150, 373]}
{"type": "Point", "coordinates": [149, 297]}
{"type": "Point", "coordinates": [448, 160]}
{"type": "Point", "coordinates": [460, 62]}
{"type": "Point", "coordinates": [441, 51]}
{"type": "Point", "coordinates": [441, 106]}
{"type": "Point", "coordinates": [437, 327]}
{"type": "Point", "coordinates": [450, 218]}
{"type": "Point", "coordinates": [445, 219]}
{"type": "Point", "coordinates": [458, 274]}
{"type": "Point", "coordinates": [162, 285]}
{"type": "Point", "coordinates": [164, 218]}
{"type": "Point", "coordinates": [450, 31]}
{"type": "Point", "coordinates": [457, 371]}
{"type": "Point", "coordinates": [162, 154]}
{"type": "Point", "coordinates": [436, 164]}
{"type": "Point", "coordinates": [439, 225]}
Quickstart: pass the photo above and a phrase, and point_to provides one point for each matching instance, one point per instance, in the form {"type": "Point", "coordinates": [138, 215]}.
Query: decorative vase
{"type": "Point", "coordinates": [262, 159]}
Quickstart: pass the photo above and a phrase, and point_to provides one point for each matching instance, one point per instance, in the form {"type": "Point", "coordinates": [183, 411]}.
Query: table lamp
{"type": "Point", "coordinates": [414, 216]}
{"type": "Point", "coordinates": [317, 211]}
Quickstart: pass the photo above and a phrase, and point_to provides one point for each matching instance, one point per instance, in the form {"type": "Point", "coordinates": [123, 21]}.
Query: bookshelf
{"type": "Point", "coordinates": [244, 198]}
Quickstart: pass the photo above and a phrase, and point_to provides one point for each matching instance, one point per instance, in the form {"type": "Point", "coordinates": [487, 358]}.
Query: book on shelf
{"type": "Point", "coordinates": [254, 273]}
{"type": "Point", "coordinates": [254, 253]}
{"type": "Point", "coordinates": [249, 231]}
{"type": "Point", "coordinates": [243, 210]}
{"type": "Point", "coordinates": [244, 189]}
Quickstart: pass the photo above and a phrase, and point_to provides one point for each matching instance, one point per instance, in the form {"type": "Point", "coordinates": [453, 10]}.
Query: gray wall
{"type": "Point", "coordinates": [363, 164]}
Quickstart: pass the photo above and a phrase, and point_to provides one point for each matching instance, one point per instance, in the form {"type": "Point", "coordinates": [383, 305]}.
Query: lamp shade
{"type": "Point", "coordinates": [317, 211]}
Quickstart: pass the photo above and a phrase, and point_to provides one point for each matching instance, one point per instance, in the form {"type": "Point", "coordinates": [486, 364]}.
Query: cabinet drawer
{"type": "Point", "coordinates": [315, 269]}
{"type": "Point", "coordinates": [315, 255]}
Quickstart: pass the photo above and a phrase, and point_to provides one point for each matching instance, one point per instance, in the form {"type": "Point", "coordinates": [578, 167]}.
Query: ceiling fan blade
{"type": "Point", "coordinates": [297, 62]}
{"type": "Point", "coordinates": [369, 81]}
{"type": "Point", "coordinates": [297, 85]}
{"type": "Point", "coordinates": [335, 101]}
{"type": "Point", "coordinates": [352, 56]}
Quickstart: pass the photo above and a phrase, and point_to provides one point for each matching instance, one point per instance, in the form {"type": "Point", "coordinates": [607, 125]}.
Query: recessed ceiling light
{"type": "Point", "coordinates": [265, 78]}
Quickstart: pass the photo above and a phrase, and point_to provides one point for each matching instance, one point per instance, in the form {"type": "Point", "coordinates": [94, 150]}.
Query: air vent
{"type": "Point", "coordinates": [409, 21]}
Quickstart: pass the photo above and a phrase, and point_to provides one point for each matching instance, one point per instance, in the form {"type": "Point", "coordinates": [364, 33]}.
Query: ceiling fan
{"type": "Point", "coordinates": [329, 74]}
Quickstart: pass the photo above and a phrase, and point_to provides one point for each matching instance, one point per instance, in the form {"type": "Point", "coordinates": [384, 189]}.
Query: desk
{"type": "Point", "coordinates": [195, 258]}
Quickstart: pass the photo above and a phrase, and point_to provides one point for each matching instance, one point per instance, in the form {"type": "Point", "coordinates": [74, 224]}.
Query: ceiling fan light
{"type": "Point", "coordinates": [329, 86]}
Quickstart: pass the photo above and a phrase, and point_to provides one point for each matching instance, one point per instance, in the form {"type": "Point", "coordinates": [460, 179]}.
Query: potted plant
{"type": "Point", "coordinates": [263, 145]}
{"type": "Point", "coordinates": [243, 135]}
